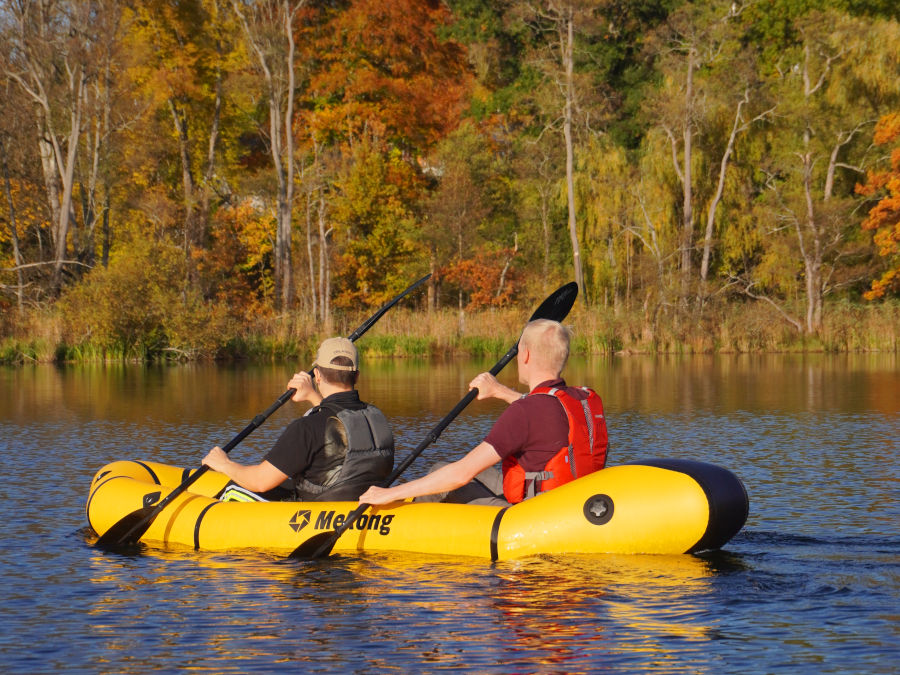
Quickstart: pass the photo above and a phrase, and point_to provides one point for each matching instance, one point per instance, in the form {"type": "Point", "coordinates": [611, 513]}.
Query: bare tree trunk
{"type": "Point", "coordinates": [187, 176]}
{"type": "Point", "coordinates": [207, 191]}
{"type": "Point", "coordinates": [432, 284]}
{"type": "Point", "coordinates": [812, 228]}
{"type": "Point", "coordinates": [66, 168]}
{"type": "Point", "coordinates": [506, 265]}
{"type": "Point", "coordinates": [324, 266]}
{"type": "Point", "coordinates": [275, 60]}
{"type": "Point", "coordinates": [720, 189]}
{"type": "Point", "coordinates": [567, 42]}
{"type": "Point", "coordinates": [310, 260]}
{"type": "Point", "coordinates": [286, 204]}
{"type": "Point", "coordinates": [687, 215]}
{"type": "Point", "coordinates": [737, 127]}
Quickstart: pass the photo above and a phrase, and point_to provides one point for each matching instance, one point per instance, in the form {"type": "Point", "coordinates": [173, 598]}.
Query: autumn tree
{"type": "Point", "coordinates": [24, 215]}
{"type": "Point", "coordinates": [269, 29]}
{"type": "Point", "coordinates": [471, 222]}
{"type": "Point", "coordinates": [374, 204]}
{"type": "Point", "coordinates": [53, 56]}
{"type": "Point", "coordinates": [826, 100]}
{"type": "Point", "coordinates": [709, 96]}
{"type": "Point", "coordinates": [560, 28]}
{"type": "Point", "coordinates": [382, 82]}
{"type": "Point", "coordinates": [181, 54]}
{"type": "Point", "coordinates": [884, 218]}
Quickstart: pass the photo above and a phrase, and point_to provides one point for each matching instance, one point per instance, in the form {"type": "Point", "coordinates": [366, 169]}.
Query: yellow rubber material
{"type": "Point", "coordinates": [624, 509]}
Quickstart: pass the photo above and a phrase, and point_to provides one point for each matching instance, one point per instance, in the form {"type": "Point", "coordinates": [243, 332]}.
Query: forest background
{"type": "Point", "coordinates": [215, 179]}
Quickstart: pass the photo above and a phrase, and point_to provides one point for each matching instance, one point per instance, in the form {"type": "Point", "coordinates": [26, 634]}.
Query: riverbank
{"type": "Point", "coordinates": [405, 333]}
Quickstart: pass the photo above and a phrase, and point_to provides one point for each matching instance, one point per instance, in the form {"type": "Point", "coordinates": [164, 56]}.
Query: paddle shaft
{"type": "Point", "coordinates": [146, 518]}
{"type": "Point", "coordinates": [557, 307]}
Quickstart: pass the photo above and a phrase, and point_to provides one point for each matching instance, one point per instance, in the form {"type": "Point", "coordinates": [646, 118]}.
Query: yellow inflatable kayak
{"type": "Point", "coordinates": [655, 506]}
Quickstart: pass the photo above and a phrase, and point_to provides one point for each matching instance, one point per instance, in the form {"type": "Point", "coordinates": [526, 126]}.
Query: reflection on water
{"type": "Point", "coordinates": [810, 585]}
{"type": "Point", "coordinates": [559, 614]}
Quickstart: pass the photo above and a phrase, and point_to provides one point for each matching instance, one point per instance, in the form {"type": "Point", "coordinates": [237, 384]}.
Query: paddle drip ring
{"type": "Point", "coordinates": [598, 509]}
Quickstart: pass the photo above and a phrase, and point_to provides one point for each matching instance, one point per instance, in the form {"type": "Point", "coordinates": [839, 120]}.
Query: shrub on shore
{"type": "Point", "coordinates": [408, 333]}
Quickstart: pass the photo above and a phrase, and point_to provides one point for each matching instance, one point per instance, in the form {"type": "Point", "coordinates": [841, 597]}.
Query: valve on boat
{"type": "Point", "coordinates": [598, 509]}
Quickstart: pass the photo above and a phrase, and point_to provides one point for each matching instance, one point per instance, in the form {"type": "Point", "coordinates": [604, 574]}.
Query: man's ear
{"type": "Point", "coordinates": [526, 354]}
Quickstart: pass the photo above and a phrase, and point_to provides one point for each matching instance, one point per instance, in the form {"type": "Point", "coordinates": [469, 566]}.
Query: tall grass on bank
{"type": "Point", "coordinates": [407, 333]}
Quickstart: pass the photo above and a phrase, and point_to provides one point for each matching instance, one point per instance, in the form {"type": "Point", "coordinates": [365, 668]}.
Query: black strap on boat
{"type": "Point", "coordinates": [197, 525]}
{"type": "Point", "coordinates": [149, 470]}
{"type": "Point", "coordinates": [495, 530]}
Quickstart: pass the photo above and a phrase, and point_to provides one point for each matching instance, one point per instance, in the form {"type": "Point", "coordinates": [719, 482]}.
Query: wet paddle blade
{"type": "Point", "coordinates": [121, 534]}
{"type": "Point", "coordinates": [317, 546]}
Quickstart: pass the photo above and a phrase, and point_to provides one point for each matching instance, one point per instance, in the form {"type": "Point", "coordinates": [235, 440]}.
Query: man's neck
{"type": "Point", "coordinates": [536, 378]}
{"type": "Point", "coordinates": [326, 389]}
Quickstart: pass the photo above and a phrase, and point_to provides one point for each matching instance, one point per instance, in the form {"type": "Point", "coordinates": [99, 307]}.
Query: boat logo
{"type": "Point", "coordinates": [300, 520]}
{"type": "Point", "coordinates": [367, 521]}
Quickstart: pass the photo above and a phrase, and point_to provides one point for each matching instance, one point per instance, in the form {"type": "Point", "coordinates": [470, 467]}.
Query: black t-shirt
{"type": "Point", "coordinates": [303, 439]}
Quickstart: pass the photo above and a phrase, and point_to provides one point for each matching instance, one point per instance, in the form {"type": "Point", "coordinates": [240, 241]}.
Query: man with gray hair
{"type": "Point", "coordinates": [541, 442]}
{"type": "Point", "coordinates": [338, 448]}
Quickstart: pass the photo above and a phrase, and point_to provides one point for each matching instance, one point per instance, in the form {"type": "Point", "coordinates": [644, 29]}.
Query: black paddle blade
{"type": "Point", "coordinates": [557, 306]}
{"type": "Point", "coordinates": [121, 534]}
{"type": "Point", "coordinates": [317, 546]}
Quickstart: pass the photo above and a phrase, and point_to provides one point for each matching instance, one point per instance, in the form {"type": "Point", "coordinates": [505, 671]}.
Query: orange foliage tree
{"type": "Point", "coordinates": [884, 217]}
{"type": "Point", "coordinates": [236, 268]}
{"type": "Point", "coordinates": [383, 71]}
{"type": "Point", "coordinates": [381, 89]}
{"type": "Point", "coordinates": [487, 278]}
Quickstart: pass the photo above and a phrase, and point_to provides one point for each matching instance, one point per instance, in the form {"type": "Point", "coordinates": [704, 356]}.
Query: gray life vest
{"type": "Point", "coordinates": [358, 452]}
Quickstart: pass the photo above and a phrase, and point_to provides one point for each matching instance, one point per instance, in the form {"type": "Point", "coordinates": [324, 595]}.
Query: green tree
{"type": "Point", "coordinates": [826, 100]}
{"type": "Point", "coordinates": [374, 206]}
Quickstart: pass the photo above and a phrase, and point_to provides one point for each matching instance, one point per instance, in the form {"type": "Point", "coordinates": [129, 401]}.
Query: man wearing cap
{"type": "Point", "coordinates": [335, 451]}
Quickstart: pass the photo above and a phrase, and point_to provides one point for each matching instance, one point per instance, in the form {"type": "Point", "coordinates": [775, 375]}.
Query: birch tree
{"type": "Point", "coordinates": [705, 78]}
{"type": "Point", "coordinates": [269, 29]}
{"type": "Point", "coordinates": [558, 27]}
{"type": "Point", "coordinates": [49, 58]}
{"type": "Point", "coordinates": [819, 148]}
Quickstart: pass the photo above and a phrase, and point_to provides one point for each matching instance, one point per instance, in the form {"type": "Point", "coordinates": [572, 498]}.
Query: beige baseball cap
{"type": "Point", "coordinates": [337, 346]}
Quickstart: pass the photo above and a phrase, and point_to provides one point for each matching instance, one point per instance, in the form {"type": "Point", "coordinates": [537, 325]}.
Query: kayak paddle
{"type": "Point", "coordinates": [556, 307]}
{"type": "Point", "coordinates": [130, 528]}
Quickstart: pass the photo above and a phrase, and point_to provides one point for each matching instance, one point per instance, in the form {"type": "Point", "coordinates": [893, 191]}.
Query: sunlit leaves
{"type": "Point", "coordinates": [884, 217]}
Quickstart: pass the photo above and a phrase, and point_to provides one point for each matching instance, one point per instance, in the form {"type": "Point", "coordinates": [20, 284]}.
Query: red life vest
{"type": "Point", "coordinates": [584, 454]}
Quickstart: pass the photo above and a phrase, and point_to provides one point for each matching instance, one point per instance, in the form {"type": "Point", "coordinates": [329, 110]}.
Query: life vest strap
{"type": "Point", "coordinates": [532, 478]}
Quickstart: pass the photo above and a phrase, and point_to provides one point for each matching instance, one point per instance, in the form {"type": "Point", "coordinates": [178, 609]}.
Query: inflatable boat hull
{"type": "Point", "coordinates": [655, 506]}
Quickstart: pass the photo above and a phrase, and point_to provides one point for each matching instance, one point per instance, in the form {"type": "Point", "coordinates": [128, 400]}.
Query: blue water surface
{"type": "Point", "coordinates": [810, 585]}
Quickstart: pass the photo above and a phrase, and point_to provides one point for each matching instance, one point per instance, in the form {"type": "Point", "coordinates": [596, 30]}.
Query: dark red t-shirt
{"type": "Point", "coordinates": [534, 428]}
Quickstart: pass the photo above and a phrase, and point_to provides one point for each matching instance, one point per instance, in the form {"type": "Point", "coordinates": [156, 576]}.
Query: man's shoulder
{"type": "Point", "coordinates": [578, 393]}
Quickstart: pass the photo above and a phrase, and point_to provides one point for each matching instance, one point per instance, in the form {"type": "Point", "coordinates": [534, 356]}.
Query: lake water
{"type": "Point", "coordinates": [810, 585]}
